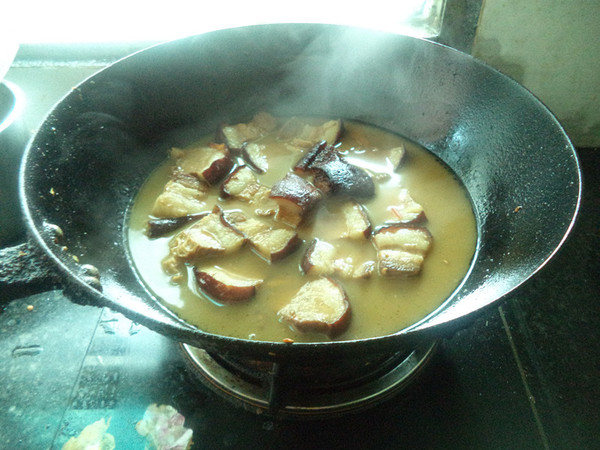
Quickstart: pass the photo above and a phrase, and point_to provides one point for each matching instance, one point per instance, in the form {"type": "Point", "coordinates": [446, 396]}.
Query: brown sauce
{"type": "Point", "coordinates": [380, 306]}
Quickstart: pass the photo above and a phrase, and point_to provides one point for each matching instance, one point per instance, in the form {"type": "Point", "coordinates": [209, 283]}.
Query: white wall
{"type": "Point", "coordinates": [552, 47]}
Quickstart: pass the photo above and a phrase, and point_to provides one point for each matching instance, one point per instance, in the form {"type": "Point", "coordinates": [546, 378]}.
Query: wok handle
{"type": "Point", "coordinates": [25, 270]}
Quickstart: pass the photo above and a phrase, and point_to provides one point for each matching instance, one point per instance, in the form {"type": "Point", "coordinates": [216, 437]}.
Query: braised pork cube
{"type": "Point", "coordinates": [161, 227]}
{"type": "Point", "coordinates": [364, 270]}
{"type": "Point", "coordinates": [333, 174]}
{"type": "Point", "coordinates": [243, 185]}
{"type": "Point", "coordinates": [319, 151]}
{"type": "Point", "coordinates": [407, 210]}
{"type": "Point", "coordinates": [270, 242]}
{"type": "Point", "coordinates": [396, 157]}
{"type": "Point", "coordinates": [255, 156]}
{"type": "Point", "coordinates": [399, 263]}
{"type": "Point", "coordinates": [208, 163]}
{"type": "Point", "coordinates": [401, 249]}
{"type": "Point", "coordinates": [358, 225]}
{"type": "Point", "coordinates": [225, 287]}
{"type": "Point", "coordinates": [182, 195]}
{"type": "Point", "coordinates": [320, 306]}
{"type": "Point", "coordinates": [322, 258]}
{"type": "Point", "coordinates": [303, 135]}
{"type": "Point", "coordinates": [296, 197]}
{"type": "Point", "coordinates": [348, 268]}
{"type": "Point", "coordinates": [319, 258]}
{"type": "Point", "coordinates": [209, 236]}
{"type": "Point", "coordinates": [234, 136]}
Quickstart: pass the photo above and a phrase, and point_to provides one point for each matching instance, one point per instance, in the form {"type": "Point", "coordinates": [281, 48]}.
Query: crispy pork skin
{"type": "Point", "coordinates": [182, 195]}
{"type": "Point", "coordinates": [319, 306]}
{"type": "Point", "coordinates": [271, 242]}
{"type": "Point", "coordinates": [225, 287]}
{"type": "Point", "coordinates": [401, 249]}
{"type": "Point", "coordinates": [296, 197]}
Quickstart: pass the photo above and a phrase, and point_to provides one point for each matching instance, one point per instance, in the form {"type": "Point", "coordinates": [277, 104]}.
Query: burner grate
{"type": "Point", "coordinates": [293, 391]}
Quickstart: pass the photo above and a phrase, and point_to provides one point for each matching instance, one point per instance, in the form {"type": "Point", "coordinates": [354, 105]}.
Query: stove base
{"type": "Point", "coordinates": [293, 392]}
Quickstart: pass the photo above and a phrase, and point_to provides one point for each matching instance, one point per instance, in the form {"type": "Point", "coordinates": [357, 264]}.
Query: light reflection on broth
{"type": "Point", "coordinates": [380, 306]}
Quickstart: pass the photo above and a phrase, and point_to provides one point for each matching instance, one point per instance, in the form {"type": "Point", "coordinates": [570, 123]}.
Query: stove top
{"type": "Point", "coordinates": [523, 375]}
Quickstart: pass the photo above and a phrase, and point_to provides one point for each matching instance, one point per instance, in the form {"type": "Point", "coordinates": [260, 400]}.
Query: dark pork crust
{"type": "Point", "coordinates": [333, 174]}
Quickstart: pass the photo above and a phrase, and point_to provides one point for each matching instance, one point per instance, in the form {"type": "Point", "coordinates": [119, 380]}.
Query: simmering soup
{"type": "Point", "coordinates": [303, 230]}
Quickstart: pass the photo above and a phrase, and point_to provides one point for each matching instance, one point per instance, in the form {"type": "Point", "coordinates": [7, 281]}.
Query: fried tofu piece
{"type": "Point", "coordinates": [272, 243]}
{"type": "Point", "coordinates": [224, 286]}
{"type": "Point", "coordinates": [207, 163]}
{"type": "Point", "coordinates": [210, 236]}
{"type": "Point", "coordinates": [296, 198]}
{"type": "Point", "coordinates": [182, 195]}
{"type": "Point", "coordinates": [401, 249]}
{"type": "Point", "coordinates": [319, 306]}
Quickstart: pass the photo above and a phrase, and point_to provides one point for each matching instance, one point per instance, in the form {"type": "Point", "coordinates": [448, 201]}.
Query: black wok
{"type": "Point", "coordinates": [82, 169]}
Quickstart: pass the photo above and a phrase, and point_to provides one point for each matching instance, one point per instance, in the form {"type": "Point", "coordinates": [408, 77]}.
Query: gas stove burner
{"type": "Point", "coordinates": [289, 390]}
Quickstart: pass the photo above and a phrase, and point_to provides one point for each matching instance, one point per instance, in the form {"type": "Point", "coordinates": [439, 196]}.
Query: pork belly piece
{"type": "Point", "coordinates": [396, 157]}
{"type": "Point", "coordinates": [225, 287]}
{"type": "Point", "coordinates": [407, 210]}
{"type": "Point", "coordinates": [210, 236]}
{"type": "Point", "coordinates": [303, 135]}
{"type": "Point", "coordinates": [399, 263]}
{"type": "Point", "coordinates": [319, 152]}
{"type": "Point", "coordinates": [268, 241]}
{"type": "Point", "coordinates": [322, 258]}
{"type": "Point", "coordinates": [208, 163]}
{"type": "Point", "coordinates": [332, 174]}
{"type": "Point", "coordinates": [358, 224]}
{"type": "Point", "coordinates": [319, 306]}
{"type": "Point", "coordinates": [243, 185]}
{"type": "Point", "coordinates": [161, 227]}
{"type": "Point", "coordinates": [348, 268]}
{"type": "Point", "coordinates": [254, 155]}
{"type": "Point", "coordinates": [182, 195]}
{"type": "Point", "coordinates": [296, 197]}
{"type": "Point", "coordinates": [401, 249]}
{"type": "Point", "coordinates": [319, 258]}
{"type": "Point", "coordinates": [234, 136]}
